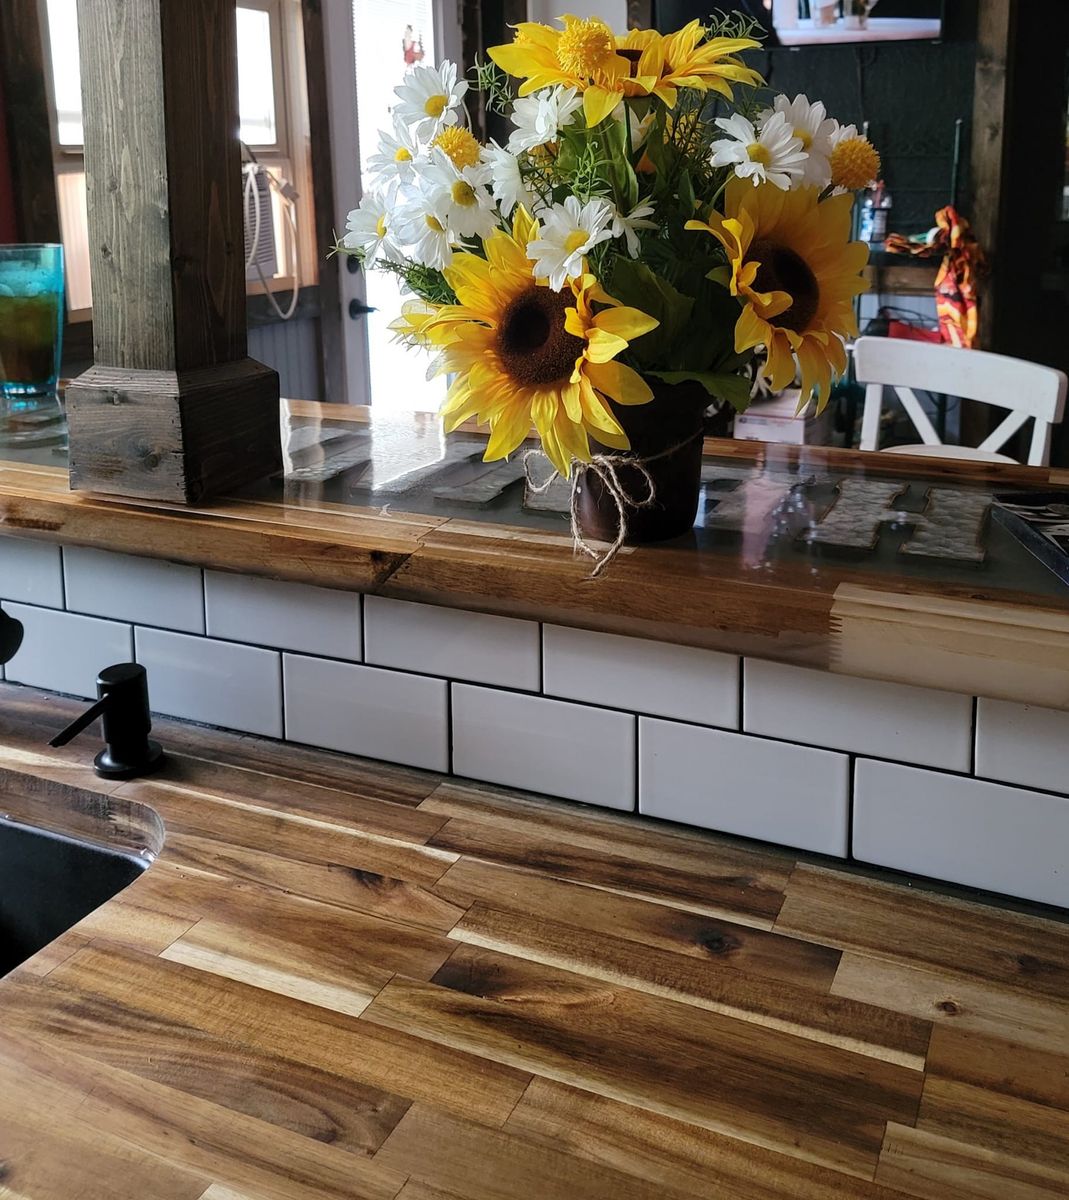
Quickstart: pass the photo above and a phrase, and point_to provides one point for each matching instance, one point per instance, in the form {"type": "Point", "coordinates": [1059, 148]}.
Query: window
{"type": "Point", "coordinates": [272, 104]}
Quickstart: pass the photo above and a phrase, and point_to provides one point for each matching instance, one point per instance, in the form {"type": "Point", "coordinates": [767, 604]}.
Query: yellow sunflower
{"type": "Point", "coordinates": [582, 55]}
{"type": "Point", "coordinates": [796, 273]}
{"type": "Point", "coordinates": [689, 62]}
{"type": "Point", "coordinates": [525, 355]}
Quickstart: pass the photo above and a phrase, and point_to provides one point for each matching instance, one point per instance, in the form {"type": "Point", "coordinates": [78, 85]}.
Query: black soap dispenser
{"type": "Point", "coordinates": [123, 705]}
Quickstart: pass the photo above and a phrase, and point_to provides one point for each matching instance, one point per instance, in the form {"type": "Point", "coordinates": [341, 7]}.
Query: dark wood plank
{"type": "Point", "coordinates": [639, 858]}
{"type": "Point", "coordinates": [924, 929]}
{"type": "Point", "coordinates": [705, 939]}
{"type": "Point", "coordinates": [675, 1154]}
{"type": "Point", "coordinates": [393, 1061]}
{"type": "Point", "coordinates": [768, 1002]}
{"type": "Point", "coordinates": [820, 1103]}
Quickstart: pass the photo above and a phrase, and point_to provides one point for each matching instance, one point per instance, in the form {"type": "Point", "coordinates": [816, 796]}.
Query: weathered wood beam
{"type": "Point", "coordinates": [173, 408]}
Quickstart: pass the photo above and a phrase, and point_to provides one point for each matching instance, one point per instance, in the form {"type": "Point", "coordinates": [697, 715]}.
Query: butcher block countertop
{"type": "Point", "coordinates": [340, 979]}
{"type": "Point", "coordinates": [872, 565]}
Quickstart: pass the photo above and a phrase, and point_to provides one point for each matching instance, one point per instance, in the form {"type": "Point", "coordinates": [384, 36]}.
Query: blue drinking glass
{"type": "Point", "coordinates": [31, 324]}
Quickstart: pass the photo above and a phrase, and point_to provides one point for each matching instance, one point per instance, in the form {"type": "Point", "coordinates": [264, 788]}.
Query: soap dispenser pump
{"type": "Point", "coordinates": [123, 705]}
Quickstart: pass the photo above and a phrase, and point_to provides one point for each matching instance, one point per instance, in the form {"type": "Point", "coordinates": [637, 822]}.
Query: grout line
{"type": "Point", "coordinates": [740, 719]}
{"type": "Point", "coordinates": [204, 599]}
{"type": "Point", "coordinates": [851, 788]}
{"type": "Point", "coordinates": [449, 685]}
{"type": "Point", "coordinates": [637, 806]}
{"type": "Point", "coordinates": [975, 734]}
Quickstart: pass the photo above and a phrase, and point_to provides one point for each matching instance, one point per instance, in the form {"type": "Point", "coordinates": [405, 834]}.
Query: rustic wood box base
{"type": "Point", "coordinates": [182, 436]}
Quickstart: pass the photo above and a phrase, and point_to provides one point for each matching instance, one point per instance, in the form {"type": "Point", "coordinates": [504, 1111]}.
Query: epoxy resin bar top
{"type": "Point", "coordinates": [871, 565]}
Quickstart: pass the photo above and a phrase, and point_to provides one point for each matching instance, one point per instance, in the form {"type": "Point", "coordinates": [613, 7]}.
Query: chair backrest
{"type": "Point", "coordinates": [1027, 389]}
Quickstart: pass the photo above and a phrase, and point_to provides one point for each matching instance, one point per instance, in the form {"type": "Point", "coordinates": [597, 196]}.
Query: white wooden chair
{"type": "Point", "coordinates": [1026, 389]}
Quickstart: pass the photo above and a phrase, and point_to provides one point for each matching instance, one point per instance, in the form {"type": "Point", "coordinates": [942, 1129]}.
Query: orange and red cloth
{"type": "Point", "coordinates": [957, 283]}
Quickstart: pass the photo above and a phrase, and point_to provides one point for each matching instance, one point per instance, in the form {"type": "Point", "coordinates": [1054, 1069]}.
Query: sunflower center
{"type": "Point", "coordinates": [435, 105]}
{"type": "Point", "coordinates": [534, 347]}
{"type": "Point", "coordinates": [759, 154]}
{"type": "Point", "coordinates": [783, 270]}
{"type": "Point", "coordinates": [463, 194]}
{"type": "Point", "coordinates": [585, 47]}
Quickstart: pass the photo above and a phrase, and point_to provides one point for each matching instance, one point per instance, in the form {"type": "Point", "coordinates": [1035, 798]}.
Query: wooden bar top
{"type": "Point", "coordinates": [344, 981]}
{"type": "Point", "coordinates": [873, 565]}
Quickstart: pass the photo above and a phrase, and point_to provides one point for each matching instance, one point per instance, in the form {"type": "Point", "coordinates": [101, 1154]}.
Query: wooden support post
{"type": "Point", "coordinates": [173, 408]}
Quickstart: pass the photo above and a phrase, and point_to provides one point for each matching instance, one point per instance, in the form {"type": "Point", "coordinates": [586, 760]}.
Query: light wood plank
{"type": "Point", "coordinates": [770, 1003]}
{"type": "Point", "coordinates": [932, 1167]}
{"type": "Point", "coordinates": [923, 929]}
{"type": "Point", "coordinates": [674, 1153]}
{"type": "Point", "coordinates": [767, 1087]}
{"type": "Point", "coordinates": [957, 1000]}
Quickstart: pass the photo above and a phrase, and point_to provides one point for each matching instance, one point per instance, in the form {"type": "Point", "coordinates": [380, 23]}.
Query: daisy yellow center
{"type": "Point", "coordinates": [585, 47]}
{"type": "Point", "coordinates": [459, 145]}
{"type": "Point", "coordinates": [854, 164]}
{"type": "Point", "coordinates": [533, 347]}
{"type": "Point", "coordinates": [785, 270]}
{"type": "Point", "coordinates": [576, 240]}
{"type": "Point", "coordinates": [380, 227]}
{"type": "Point", "coordinates": [435, 105]}
{"type": "Point", "coordinates": [805, 137]}
{"type": "Point", "coordinates": [759, 154]}
{"type": "Point", "coordinates": [463, 193]}
{"type": "Point", "coordinates": [402, 155]}
{"type": "Point", "coordinates": [434, 223]}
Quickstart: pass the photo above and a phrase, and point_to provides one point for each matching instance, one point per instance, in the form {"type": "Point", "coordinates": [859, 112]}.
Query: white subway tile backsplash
{"type": "Point", "coordinates": [217, 683]}
{"type": "Point", "coordinates": [360, 710]}
{"type": "Point", "coordinates": [290, 616]}
{"type": "Point", "coordinates": [63, 652]}
{"type": "Point", "coordinates": [125, 587]}
{"type": "Point", "coordinates": [964, 830]}
{"type": "Point", "coordinates": [452, 643]}
{"type": "Point", "coordinates": [641, 675]}
{"type": "Point", "coordinates": [547, 746]}
{"type": "Point", "coordinates": [865, 716]}
{"type": "Point", "coordinates": [1020, 743]}
{"type": "Point", "coordinates": [31, 572]}
{"type": "Point", "coordinates": [753, 787]}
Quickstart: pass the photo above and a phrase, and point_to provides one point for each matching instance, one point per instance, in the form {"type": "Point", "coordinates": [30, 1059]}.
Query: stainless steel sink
{"type": "Point", "coordinates": [48, 882]}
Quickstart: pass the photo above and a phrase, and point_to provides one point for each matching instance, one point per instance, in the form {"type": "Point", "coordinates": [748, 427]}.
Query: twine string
{"type": "Point", "coordinates": [607, 468]}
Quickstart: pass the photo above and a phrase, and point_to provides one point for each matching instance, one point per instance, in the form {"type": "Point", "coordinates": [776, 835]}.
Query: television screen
{"type": "Point", "coordinates": [818, 22]}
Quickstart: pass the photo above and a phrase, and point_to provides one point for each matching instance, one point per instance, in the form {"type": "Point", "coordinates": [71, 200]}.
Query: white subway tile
{"type": "Point", "coordinates": [452, 643]}
{"type": "Point", "coordinates": [128, 587]}
{"type": "Point", "coordinates": [359, 710]}
{"type": "Point", "coordinates": [63, 652]}
{"type": "Point", "coordinates": [217, 683]}
{"type": "Point", "coordinates": [31, 572]}
{"type": "Point", "coordinates": [749, 786]}
{"type": "Point", "coordinates": [544, 746]}
{"type": "Point", "coordinates": [1020, 743]}
{"type": "Point", "coordinates": [646, 676]}
{"type": "Point", "coordinates": [985, 835]}
{"type": "Point", "coordinates": [291, 616]}
{"type": "Point", "coordinates": [866, 716]}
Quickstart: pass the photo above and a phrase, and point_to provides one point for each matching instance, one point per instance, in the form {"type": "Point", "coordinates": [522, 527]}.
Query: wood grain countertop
{"type": "Point", "coordinates": [1000, 628]}
{"type": "Point", "coordinates": [340, 980]}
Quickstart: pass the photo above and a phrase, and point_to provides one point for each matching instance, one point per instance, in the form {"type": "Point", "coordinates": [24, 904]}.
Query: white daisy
{"type": "Point", "coordinates": [469, 209]}
{"type": "Point", "coordinates": [540, 118]}
{"type": "Point", "coordinates": [628, 227]}
{"type": "Point", "coordinates": [569, 231]}
{"type": "Point", "coordinates": [396, 155]}
{"type": "Point", "coordinates": [842, 133]}
{"type": "Point", "coordinates": [509, 188]}
{"type": "Point", "coordinates": [812, 126]}
{"type": "Point", "coordinates": [367, 230]}
{"type": "Point", "coordinates": [429, 98]}
{"type": "Point", "coordinates": [772, 153]}
{"type": "Point", "coordinates": [421, 222]}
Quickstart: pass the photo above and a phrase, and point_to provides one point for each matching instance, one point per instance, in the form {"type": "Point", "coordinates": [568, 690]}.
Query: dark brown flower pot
{"type": "Point", "coordinates": [666, 436]}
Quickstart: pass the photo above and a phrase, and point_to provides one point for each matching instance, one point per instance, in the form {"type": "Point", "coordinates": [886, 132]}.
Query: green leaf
{"type": "Point", "coordinates": [733, 389]}
{"type": "Point", "coordinates": [634, 284]}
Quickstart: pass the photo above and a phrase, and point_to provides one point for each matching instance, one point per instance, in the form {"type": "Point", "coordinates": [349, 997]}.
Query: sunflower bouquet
{"type": "Point", "coordinates": [655, 226]}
